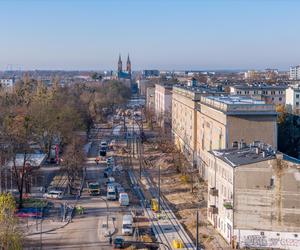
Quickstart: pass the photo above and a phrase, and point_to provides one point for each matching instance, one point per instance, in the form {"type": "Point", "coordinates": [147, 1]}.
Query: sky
{"type": "Point", "coordinates": [158, 34]}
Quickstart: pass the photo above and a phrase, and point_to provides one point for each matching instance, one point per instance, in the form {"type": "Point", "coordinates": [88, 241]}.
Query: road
{"type": "Point", "coordinates": [83, 232]}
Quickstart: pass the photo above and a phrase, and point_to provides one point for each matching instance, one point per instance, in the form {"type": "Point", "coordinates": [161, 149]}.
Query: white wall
{"type": "Point", "coordinates": [268, 239]}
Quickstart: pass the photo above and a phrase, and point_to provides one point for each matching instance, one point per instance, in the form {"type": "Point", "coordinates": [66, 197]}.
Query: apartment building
{"type": "Point", "coordinates": [163, 104]}
{"type": "Point", "coordinates": [221, 120]}
{"type": "Point", "coordinates": [254, 197]}
{"type": "Point", "coordinates": [292, 97]}
{"type": "Point", "coordinates": [184, 117]}
{"type": "Point", "coordinates": [295, 72]}
{"type": "Point", "coordinates": [271, 94]}
{"type": "Point", "coordinates": [150, 98]}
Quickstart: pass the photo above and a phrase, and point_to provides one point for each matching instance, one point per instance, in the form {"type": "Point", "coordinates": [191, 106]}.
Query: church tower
{"type": "Point", "coordinates": [128, 66]}
{"type": "Point", "coordinates": [119, 65]}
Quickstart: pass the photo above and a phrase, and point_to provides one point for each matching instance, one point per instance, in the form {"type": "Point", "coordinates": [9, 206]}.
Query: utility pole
{"type": "Point", "coordinates": [197, 231]}
{"type": "Point", "coordinates": [41, 233]}
{"type": "Point", "coordinates": [159, 187]}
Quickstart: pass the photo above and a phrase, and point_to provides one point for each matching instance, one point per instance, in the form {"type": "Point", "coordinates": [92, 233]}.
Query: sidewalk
{"type": "Point", "coordinates": [36, 226]}
{"type": "Point", "coordinates": [105, 231]}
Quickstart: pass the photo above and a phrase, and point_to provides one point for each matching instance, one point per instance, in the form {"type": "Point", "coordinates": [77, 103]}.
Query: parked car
{"type": "Point", "coordinates": [54, 194]}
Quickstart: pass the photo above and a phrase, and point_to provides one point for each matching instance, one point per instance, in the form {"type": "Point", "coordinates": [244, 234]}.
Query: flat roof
{"type": "Point", "coordinates": [260, 86]}
{"type": "Point", "coordinates": [235, 99]}
{"type": "Point", "coordinates": [244, 156]}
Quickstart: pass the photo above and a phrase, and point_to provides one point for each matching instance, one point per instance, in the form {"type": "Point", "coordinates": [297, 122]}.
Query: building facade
{"type": "Point", "coordinates": [271, 94]}
{"type": "Point", "coordinates": [254, 197]}
{"type": "Point", "coordinates": [150, 99]}
{"type": "Point", "coordinates": [163, 104]}
{"type": "Point", "coordinates": [293, 98]}
{"type": "Point", "coordinates": [221, 120]}
{"type": "Point", "coordinates": [184, 117]}
{"type": "Point", "coordinates": [295, 72]}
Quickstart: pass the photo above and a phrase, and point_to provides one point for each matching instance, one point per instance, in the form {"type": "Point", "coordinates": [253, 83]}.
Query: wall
{"type": "Point", "coordinates": [184, 123]}
{"type": "Point", "coordinates": [268, 239]}
{"type": "Point", "coordinates": [252, 128]}
{"type": "Point", "coordinates": [220, 177]}
{"type": "Point", "coordinates": [259, 204]}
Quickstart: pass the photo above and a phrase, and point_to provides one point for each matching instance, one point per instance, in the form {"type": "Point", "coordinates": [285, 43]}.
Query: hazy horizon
{"type": "Point", "coordinates": [167, 35]}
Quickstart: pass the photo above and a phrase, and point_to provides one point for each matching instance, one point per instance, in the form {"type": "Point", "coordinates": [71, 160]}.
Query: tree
{"type": "Point", "coordinates": [17, 135]}
{"type": "Point", "coordinates": [73, 160]}
{"type": "Point", "coordinates": [10, 235]}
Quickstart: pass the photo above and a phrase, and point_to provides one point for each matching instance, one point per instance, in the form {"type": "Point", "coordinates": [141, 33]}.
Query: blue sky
{"type": "Point", "coordinates": [165, 34]}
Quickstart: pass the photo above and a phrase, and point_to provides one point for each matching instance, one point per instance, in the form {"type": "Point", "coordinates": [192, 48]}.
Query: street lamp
{"type": "Point", "coordinates": [107, 208]}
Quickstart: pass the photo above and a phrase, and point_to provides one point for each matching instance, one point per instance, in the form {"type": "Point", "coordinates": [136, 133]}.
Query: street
{"type": "Point", "coordinates": [86, 231]}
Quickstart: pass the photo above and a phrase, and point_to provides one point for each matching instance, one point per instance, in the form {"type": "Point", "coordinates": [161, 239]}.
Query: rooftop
{"type": "Point", "coordinates": [261, 86]}
{"type": "Point", "coordinates": [245, 154]}
{"type": "Point", "coordinates": [238, 105]}
{"type": "Point", "coordinates": [235, 99]}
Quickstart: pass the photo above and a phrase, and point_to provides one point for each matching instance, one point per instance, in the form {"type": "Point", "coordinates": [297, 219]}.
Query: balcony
{"type": "Point", "coordinates": [213, 209]}
{"type": "Point", "coordinates": [213, 191]}
{"type": "Point", "coordinates": [228, 204]}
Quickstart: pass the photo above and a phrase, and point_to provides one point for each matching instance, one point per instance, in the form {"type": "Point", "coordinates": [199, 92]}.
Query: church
{"type": "Point", "coordinates": [124, 74]}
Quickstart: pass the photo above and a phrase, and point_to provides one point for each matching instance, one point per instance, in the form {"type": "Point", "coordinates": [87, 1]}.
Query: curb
{"type": "Point", "coordinates": [69, 220]}
{"type": "Point", "coordinates": [50, 230]}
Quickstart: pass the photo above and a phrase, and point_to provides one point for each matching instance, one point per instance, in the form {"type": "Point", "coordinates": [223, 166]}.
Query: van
{"type": "Point", "coordinates": [124, 199]}
{"type": "Point", "coordinates": [111, 192]}
{"type": "Point", "coordinates": [54, 194]}
{"type": "Point", "coordinates": [127, 224]}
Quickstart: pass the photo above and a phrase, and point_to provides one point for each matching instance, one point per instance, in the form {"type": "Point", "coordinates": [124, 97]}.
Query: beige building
{"type": "Point", "coordinates": [271, 94]}
{"type": "Point", "coordinates": [184, 117]}
{"type": "Point", "coordinates": [150, 98]}
{"type": "Point", "coordinates": [163, 104]}
{"type": "Point", "coordinates": [254, 197]}
{"type": "Point", "coordinates": [222, 120]}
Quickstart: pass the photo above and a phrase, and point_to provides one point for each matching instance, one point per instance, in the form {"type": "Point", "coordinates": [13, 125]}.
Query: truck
{"type": "Point", "coordinates": [94, 188]}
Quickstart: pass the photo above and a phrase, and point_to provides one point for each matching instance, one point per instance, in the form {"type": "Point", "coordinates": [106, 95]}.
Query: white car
{"type": "Point", "coordinates": [54, 194]}
{"type": "Point", "coordinates": [123, 199]}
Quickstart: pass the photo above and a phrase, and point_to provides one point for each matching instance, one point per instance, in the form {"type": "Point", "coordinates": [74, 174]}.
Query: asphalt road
{"type": "Point", "coordinates": [83, 231]}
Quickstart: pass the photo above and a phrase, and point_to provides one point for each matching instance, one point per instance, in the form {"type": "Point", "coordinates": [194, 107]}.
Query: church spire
{"type": "Point", "coordinates": [128, 66]}
{"type": "Point", "coordinates": [119, 64]}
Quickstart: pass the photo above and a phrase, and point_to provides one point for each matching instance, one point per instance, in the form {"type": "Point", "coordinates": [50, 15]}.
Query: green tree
{"type": "Point", "coordinates": [10, 235]}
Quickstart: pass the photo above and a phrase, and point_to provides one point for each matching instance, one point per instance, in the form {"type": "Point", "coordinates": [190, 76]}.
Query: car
{"type": "Point", "coordinates": [111, 193]}
{"type": "Point", "coordinates": [103, 144]}
{"type": "Point", "coordinates": [110, 160]}
{"type": "Point", "coordinates": [107, 172]}
{"type": "Point", "coordinates": [54, 194]}
{"type": "Point", "coordinates": [110, 180]}
{"type": "Point", "coordinates": [127, 224]}
{"type": "Point", "coordinates": [124, 199]}
{"type": "Point", "coordinates": [118, 242]}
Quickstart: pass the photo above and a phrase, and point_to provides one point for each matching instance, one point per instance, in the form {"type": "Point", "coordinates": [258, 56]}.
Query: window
{"type": "Point", "coordinates": [297, 103]}
{"type": "Point", "coordinates": [297, 96]}
{"type": "Point", "coordinates": [280, 99]}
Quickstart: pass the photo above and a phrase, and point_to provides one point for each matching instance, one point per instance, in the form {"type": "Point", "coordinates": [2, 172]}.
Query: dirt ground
{"type": "Point", "coordinates": [176, 188]}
